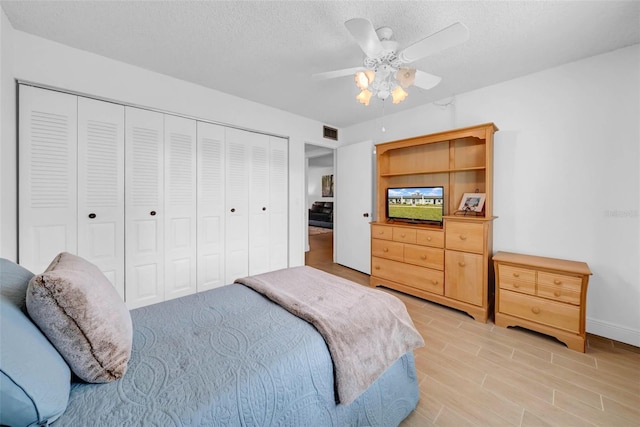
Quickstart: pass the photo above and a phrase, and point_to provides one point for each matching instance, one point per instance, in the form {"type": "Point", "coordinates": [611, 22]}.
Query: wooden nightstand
{"type": "Point", "coordinates": [547, 295]}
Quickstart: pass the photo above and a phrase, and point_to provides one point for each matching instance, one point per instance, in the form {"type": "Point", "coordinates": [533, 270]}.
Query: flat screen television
{"type": "Point", "coordinates": [416, 204]}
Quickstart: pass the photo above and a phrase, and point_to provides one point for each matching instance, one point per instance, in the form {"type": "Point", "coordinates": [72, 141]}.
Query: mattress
{"type": "Point", "coordinates": [230, 357]}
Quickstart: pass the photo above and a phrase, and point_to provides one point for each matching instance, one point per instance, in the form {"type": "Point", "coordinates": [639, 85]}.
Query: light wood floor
{"type": "Point", "coordinates": [475, 374]}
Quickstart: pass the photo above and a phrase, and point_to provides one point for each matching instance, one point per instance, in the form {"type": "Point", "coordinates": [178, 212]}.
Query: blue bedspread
{"type": "Point", "coordinates": [231, 357]}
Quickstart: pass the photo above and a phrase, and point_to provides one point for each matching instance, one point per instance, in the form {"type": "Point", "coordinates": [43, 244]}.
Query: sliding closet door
{"type": "Point", "coordinates": [211, 206]}
{"type": "Point", "coordinates": [144, 203]}
{"type": "Point", "coordinates": [180, 206]}
{"type": "Point", "coordinates": [101, 187]}
{"type": "Point", "coordinates": [259, 208]}
{"type": "Point", "coordinates": [237, 204]}
{"type": "Point", "coordinates": [47, 165]}
{"type": "Point", "coordinates": [278, 203]}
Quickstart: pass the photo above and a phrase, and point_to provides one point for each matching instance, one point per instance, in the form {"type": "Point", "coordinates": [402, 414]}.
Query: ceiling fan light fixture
{"type": "Point", "coordinates": [398, 95]}
{"type": "Point", "coordinates": [406, 77]}
{"type": "Point", "coordinates": [364, 78]}
{"type": "Point", "coordinates": [364, 97]}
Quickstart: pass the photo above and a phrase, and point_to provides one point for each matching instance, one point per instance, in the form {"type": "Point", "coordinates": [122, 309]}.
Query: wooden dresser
{"type": "Point", "coordinates": [547, 295]}
{"type": "Point", "coordinates": [448, 264]}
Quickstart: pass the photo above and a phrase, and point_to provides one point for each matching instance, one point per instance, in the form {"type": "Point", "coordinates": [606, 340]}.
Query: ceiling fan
{"type": "Point", "coordinates": [383, 72]}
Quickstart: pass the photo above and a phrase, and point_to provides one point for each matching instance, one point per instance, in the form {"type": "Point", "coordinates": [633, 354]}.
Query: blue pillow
{"type": "Point", "coordinates": [34, 378]}
{"type": "Point", "coordinates": [14, 280]}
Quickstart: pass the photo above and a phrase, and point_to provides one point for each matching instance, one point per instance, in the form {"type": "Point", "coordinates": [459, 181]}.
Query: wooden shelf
{"type": "Point", "coordinates": [477, 168]}
{"type": "Point", "coordinates": [449, 265]}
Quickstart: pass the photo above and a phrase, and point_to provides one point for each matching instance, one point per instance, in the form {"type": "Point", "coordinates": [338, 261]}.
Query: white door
{"type": "Point", "coordinates": [47, 166]}
{"type": "Point", "coordinates": [101, 187]}
{"type": "Point", "coordinates": [144, 203]}
{"type": "Point", "coordinates": [354, 189]}
{"type": "Point", "coordinates": [179, 206]}
{"type": "Point", "coordinates": [259, 208]}
{"type": "Point", "coordinates": [237, 204]}
{"type": "Point", "coordinates": [278, 206]}
{"type": "Point", "coordinates": [211, 211]}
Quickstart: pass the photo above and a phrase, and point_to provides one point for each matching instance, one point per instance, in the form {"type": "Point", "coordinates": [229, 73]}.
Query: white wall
{"type": "Point", "coordinates": [314, 186]}
{"type": "Point", "coordinates": [48, 63]}
{"type": "Point", "coordinates": [566, 171]}
{"type": "Point", "coordinates": [8, 188]}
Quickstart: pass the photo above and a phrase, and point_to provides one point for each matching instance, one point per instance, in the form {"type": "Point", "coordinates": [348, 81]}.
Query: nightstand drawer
{"type": "Point", "coordinates": [540, 310]}
{"type": "Point", "coordinates": [424, 256]}
{"type": "Point", "coordinates": [405, 235]}
{"type": "Point", "coordinates": [381, 232]}
{"type": "Point", "coordinates": [517, 279]}
{"type": "Point", "coordinates": [465, 236]}
{"type": "Point", "coordinates": [559, 293]}
{"type": "Point", "coordinates": [387, 249]}
{"type": "Point", "coordinates": [561, 281]}
{"type": "Point", "coordinates": [430, 238]}
{"type": "Point", "coordinates": [417, 277]}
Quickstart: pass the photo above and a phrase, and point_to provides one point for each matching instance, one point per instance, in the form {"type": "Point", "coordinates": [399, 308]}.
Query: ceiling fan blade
{"type": "Point", "coordinates": [337, 73]}
{"type": "Point", "coordinates": [362, 31]}
{"type": "Point", "coordinates": [426, 80]}
{"type": "Point", "coordinates": [447, 37]}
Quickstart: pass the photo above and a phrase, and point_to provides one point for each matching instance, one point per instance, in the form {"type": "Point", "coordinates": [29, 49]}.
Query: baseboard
{"type": "Point", "coordinates": [613, 331]}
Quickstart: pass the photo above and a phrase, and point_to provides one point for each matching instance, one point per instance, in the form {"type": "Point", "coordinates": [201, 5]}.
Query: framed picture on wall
{"type": "Point", "coordinates": [472, 202]}
{"type": "Point", "coordinates": [327, 186]}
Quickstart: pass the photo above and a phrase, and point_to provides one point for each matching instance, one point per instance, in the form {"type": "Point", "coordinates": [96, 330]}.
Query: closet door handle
{"type": "Point", "coordinates": [366, 215]}
{"type": "Point", "coordinates": [92, 215]}
{"type": "Point", "coordinates": [264, 209]}
{"type": "Point", "coordinates": [233, 209]}
{"type": "Point", "coordinates": [152, 213]}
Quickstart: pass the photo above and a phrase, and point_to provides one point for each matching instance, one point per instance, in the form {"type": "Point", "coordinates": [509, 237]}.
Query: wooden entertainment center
{"type": "Point", "coordinates": [449, 265]}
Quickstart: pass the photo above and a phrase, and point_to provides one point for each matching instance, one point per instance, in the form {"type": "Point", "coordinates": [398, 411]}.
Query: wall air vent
{"type": "Point", "coordinates": [330, 133]}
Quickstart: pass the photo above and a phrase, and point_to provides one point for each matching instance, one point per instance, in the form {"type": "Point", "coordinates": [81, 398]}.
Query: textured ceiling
{"type": "Point", "coordinates": [266, 51]}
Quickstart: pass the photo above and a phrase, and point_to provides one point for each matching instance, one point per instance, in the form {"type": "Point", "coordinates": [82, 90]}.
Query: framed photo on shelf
{"type": "Point", "coordinates": [472, 202]}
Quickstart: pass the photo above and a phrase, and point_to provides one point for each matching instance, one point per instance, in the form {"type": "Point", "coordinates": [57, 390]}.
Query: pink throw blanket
{"type": "Point", "coordinates": [366, 329]}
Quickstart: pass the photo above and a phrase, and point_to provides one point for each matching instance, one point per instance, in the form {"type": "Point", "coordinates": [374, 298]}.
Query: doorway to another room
{"type": "Point", "coordinates": [319, 176]}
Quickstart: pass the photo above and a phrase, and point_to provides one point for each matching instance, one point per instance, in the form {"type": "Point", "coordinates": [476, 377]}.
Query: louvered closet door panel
{"type": "Point", "coordinates": [144, 207]}
{"type": "Point", "coordinates": [47, 167]}
{"type": "Point", "coordinates": [101, 187]}
{"type": "Point", "coordinates": [259, 209]}
{"type": "Point", "coordinates": [278, 203]}
{"type": "Point", "coordinates": [237, 204]}
{"type": "Point", "coordinates": [180, 206]}
{"type": "Point", "coordinates": [211, 203]}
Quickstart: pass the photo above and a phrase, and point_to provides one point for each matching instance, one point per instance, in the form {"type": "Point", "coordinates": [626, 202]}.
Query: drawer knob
{"type": "Point", "coordinates": [515, 285]}
{"type": "Point", "coordinates": [423, 257]}
{"type": "Point", "coordinates": [377, 267]}
{"type": "Point", "coordinates": [557, 282]}
{"type": "Point", "coordinates": [535, 310]}
{"type": "Point", "coordinates": [557, 293]}
{"type": "Point", "coordinates": [428, 238]}
{"type": "Point", "coordinates": [516, 274]}
{"type": "Point", "coordinates": [402, 235]}
{"type": "Point", "coordinates": [381, 232]}
{"type": "Point", "coordinates": [435, 282]}
{"type": "Point", "coordinates": [385, 249]}
{"type": "Point", "coordinates": [461, 263]}
{"type": "Point", "coordinates": [463, 237]}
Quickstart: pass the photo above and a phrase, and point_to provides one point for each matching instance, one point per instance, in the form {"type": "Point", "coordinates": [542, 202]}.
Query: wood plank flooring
{"type": "Point", "coordinates": [475, 374]}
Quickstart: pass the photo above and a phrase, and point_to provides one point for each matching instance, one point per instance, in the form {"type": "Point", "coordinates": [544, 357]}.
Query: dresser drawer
{"type": "Point", "coordinates": [405, 235]}
{"type": "Point", "coordinates": [430, 238]}
{"type": "Point", "coordinates": [465, 236]}
{"type": "Point", "coordinates": [559, 293]}
{"type": "Point", "coordinates": [517, 279]}
{"type": "Point", "coordinates": [381, 232]}
{"type": "Point", "coordinates": [424, 256]}
{"type": "Point", "coordinates": [387, 249]}
{"type": "Point", "coordinates": [560, 281]}
{"type": "Point", "coordinates": [411, 275]}
{"type": "Point", "coordinates": [540, 310]}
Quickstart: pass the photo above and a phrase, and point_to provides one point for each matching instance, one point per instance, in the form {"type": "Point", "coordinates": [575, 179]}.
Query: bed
{"type": "Point", "coordinates": [229, 356]}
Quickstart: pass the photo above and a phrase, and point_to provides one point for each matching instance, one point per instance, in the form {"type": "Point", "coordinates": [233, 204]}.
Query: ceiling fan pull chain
{"type": "Point", "coordinates": [383, 129]}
